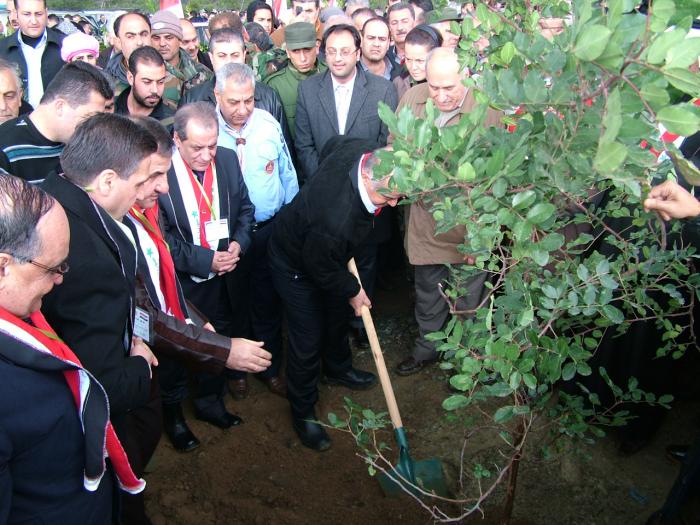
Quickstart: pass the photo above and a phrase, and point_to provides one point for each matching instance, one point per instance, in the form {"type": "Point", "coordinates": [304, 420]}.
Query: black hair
{"type": "Point", "coordinates": [256, 5]}
{"type": "Point", "coordinates": [144, 55]}
{"type": "Point", "coordinates": [120, 18]}
{"type": "Point", "coordinates": [338, 29]}
{"type": "Point", "coordinates": [106, 141]}
{"type": "Point", "coordinates": [424, 35]}
{"type": "Point", "coordinates": [75, 82]}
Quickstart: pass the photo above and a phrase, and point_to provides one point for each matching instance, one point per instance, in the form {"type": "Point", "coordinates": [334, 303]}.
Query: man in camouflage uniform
{"type": "Point", "coordinates": [302, 51]}
{"type": "Point", "coordinates": [183, 72]}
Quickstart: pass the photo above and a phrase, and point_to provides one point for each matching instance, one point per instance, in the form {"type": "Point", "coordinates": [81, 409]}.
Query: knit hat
{"type": "Point", "coordinates": [77, 43]}
{"type": "Point", "coordinates": [166, 23]}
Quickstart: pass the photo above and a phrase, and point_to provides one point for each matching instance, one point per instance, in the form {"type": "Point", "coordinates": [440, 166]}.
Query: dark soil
{"type": "Point", "coordinates": [259, 473]}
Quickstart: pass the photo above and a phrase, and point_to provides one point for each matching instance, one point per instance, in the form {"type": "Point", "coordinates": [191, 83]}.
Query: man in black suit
{"type": "Point", "coordinates": [341, 101]}
{"type": "Point", "coordinates": [313, 239]}
{"type": "Point", "coordinates": [106, 168]}
{"type": "Point", "coordinates": [207, 220]}
{"type": "Point", "coordinates": [34, 48]}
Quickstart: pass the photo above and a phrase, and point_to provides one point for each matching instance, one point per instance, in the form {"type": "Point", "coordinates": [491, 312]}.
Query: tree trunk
{"type": "Point", "coordinates": [513, 475]}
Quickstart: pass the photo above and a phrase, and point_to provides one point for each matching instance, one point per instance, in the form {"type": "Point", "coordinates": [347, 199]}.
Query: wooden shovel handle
{"type": "Point", "coordinates": [378, 357]}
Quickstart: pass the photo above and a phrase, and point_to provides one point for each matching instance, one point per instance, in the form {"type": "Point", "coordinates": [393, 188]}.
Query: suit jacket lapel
{"type": "Point", "coordinates": [359, 95]}
{"type": "Point", "coordinates": [327, 100]}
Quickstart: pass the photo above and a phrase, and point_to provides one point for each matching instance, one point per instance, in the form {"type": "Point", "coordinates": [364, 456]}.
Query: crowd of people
{"type": "Point", "coordinates": [166, 205]}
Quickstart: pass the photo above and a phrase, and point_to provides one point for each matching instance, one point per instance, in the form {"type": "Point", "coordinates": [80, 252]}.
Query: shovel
{"type": "Point", "coordinates": [426, 474]}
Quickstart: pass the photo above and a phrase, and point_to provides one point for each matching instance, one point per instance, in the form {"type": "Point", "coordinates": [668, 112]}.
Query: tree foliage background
{"type": "Point", "coordinates": [552, 211]}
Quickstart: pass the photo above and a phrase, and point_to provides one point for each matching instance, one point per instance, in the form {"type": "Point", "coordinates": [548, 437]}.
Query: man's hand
{"type": "Point", "coordinates": [359, 301]}
{"type": "Point", "coordinates": [672, 201]}
{"type": "Point", "coordinates": [223, 262]}
{"type": "Point", "coordinates": [248, 356]}
{"type": "Point", "coordinates": [138, 347]}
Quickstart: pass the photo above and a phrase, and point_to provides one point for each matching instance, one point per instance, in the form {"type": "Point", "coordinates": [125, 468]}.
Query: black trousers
{"type": "Point", "coordinates": [212, 299]}
{"type": "Point", "coordinates": [257, 307]}
{"type": "Point", "coordinates": [317, 329]}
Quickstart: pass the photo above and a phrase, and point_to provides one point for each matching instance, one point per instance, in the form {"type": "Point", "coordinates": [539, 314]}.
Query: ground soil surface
{"type": "Point", "coordinates": [259, 473]}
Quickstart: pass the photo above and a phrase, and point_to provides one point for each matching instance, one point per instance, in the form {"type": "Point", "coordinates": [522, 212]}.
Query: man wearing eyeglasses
{"type": "Point", "coordinates": [341, 101]}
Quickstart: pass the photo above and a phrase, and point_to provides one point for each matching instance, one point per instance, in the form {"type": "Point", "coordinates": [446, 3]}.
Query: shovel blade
{"type": "Point", "coordinates": [428, 476]}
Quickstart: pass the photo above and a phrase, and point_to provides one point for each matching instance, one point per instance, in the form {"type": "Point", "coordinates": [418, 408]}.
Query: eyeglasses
{"type": "Point", "coordinates": [345, 52]}
{"type": "Point", "coordinates": [61, 269]}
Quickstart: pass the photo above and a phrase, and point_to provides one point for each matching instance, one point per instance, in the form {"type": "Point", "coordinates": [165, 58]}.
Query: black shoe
{"type": "Point", "coordinates": [359, 337]}
{"type": "Point", "coordinates": [176, 429]}
{"type": "Point", "coordinates": [677, 452]}
{"type": "Point", "coordinates": [223, 420]}
{"type": "Point", "coordinates": [353, 379]}
{"type": "Point", "coordinates": [311, 434]}
{"type": "Point", "coordinates": [412, 365]}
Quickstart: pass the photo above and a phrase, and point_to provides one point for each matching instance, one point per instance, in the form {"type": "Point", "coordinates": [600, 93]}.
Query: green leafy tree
{"type": "Point", "coordinates": [542, 206]}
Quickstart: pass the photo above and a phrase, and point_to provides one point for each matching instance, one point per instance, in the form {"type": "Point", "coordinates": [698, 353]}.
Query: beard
{"type": "Point", "coordinates": [146, 102]}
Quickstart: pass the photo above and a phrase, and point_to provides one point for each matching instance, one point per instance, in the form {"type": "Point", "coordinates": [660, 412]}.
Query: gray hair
{"type": "Point", "coordinates": [363, 3]}
{"type": "Point", "coordinates": [238, 73]}
{"type": "Point", "coordinates": [12, 68]}
{"type": "Point", "coordinates": [201, 112]}
{"type": "Point", "coordinates": [22, 205]}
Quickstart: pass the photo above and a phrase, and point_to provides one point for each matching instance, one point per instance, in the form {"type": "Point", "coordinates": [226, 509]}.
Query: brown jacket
{"type": "Point", "coordinates": [422, 244]}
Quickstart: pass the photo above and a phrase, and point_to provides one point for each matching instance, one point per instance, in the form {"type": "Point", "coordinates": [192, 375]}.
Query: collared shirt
{"type": "Point", "coordinates": [369, 205]}
{"type": "Point", "coordinates": [32, 55]}
{"type": "Point", "coordinates": [343, 95]}
{"type": "Point", "coordinates": [265, 162]}
{"type": "Point", "coordinates": [388, 68]}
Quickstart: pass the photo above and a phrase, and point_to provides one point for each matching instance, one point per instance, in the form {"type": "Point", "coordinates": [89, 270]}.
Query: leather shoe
{"type": "Point", "coordinates": [276, 385]}
{"type": "Point", "coordinates": [176, 429]}
{"type": "Point", "coordinates": [677, 452]}
{"type": "Point", "coordinates": [353, 379]}
{"type": "Point", "coordinates": [412, 365]}
{"type": "Point", "coordinates": [238, 388]}
{"type": "Point", "coordinates": [359, 337]}
{"type": "Point", "coordinates": [311, 434]}
{"type": "Point", "coordinates": [224, 420]}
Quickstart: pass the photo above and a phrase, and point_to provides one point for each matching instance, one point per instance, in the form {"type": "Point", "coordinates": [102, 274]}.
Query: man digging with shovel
{"type": "Point", "coordinates": [313, 239]}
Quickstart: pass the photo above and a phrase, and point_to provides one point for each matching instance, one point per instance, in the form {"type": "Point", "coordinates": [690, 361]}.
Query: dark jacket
{"type": "Point", "coordinates": [317, 121]}
{"type": "Point", "coordinates": [42, 446]}
{"type": "Point", "coordinates": [265, 98]}
{"type": "Point", "coordinates": [234, 204]}
{"type": "Point", "coordinates": [316, 234]}
{"type": "Point", "coordinates": [51, 61]}
{"type": "Point", "coordinates": [189, 343]}
{"type": "Point", "coordinates": [92, 310]}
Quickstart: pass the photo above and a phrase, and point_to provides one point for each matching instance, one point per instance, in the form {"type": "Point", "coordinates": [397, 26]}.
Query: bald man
{"type": "Point", "coordinates": [428, 252]}
{"type": "Point", "coordinates": [190, 43]}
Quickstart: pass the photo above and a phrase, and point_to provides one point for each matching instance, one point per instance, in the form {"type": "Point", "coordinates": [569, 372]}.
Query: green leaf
{"type": "Point", "coordinates": [665, 399]}
{"type": "Point", "coordinates": [523, 199]}
{"type": "Point", "coordinates": [387, 115]}
{"type": "Point", "coordinates": [504, 414]}
{"type": "Point", "coordinates": [656, 53]}
{"type": "Point", "coordinates": [686, 168]}
{"type": "Point", "coordinates": [550, 291]}
{"type": "Point", "coordinates": [526, 317]}
{"type": "Point", "coordinates": [656, 96]}
{"type": "Point", "coordinates": [591, 42]}
{"type": "Point", "coordinates": [568, 371]}
{"type": "Point", "coordinates": [679, 119]}
{"type": "Point", "coordinates": [613, 117]}
{"type": "Point", "coordinates": [685, 80]}
{"type": "Point", "coordinates": [507, 52]}
{"type": "Point", "coordinates": [613, 314]}
{"type": "Point", "coordinates": [582, 272]}
{"type": "Point", "coordinates": [466, 172]}
{"type": "Point", "coordinates": [455, 402]}
{"type": "Point", "coordinates": [541, 257]}
{"type": "Point", "coordinates": [461, 382]}
{"type": "Point", "coordinates": [609, 157]}
{"type": "Point", "coordinates": [683, 54]}
{"type": "Point", "coordinates": [552, 242]}
{"type": "Point", "coordinates": [535, 90]}
{"type": "Point", "coordinates": [530, 380]}
{"type": "Point", "coordinates": [540, 212]}
{"type": "Point", "coordinates": [661, 13]}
